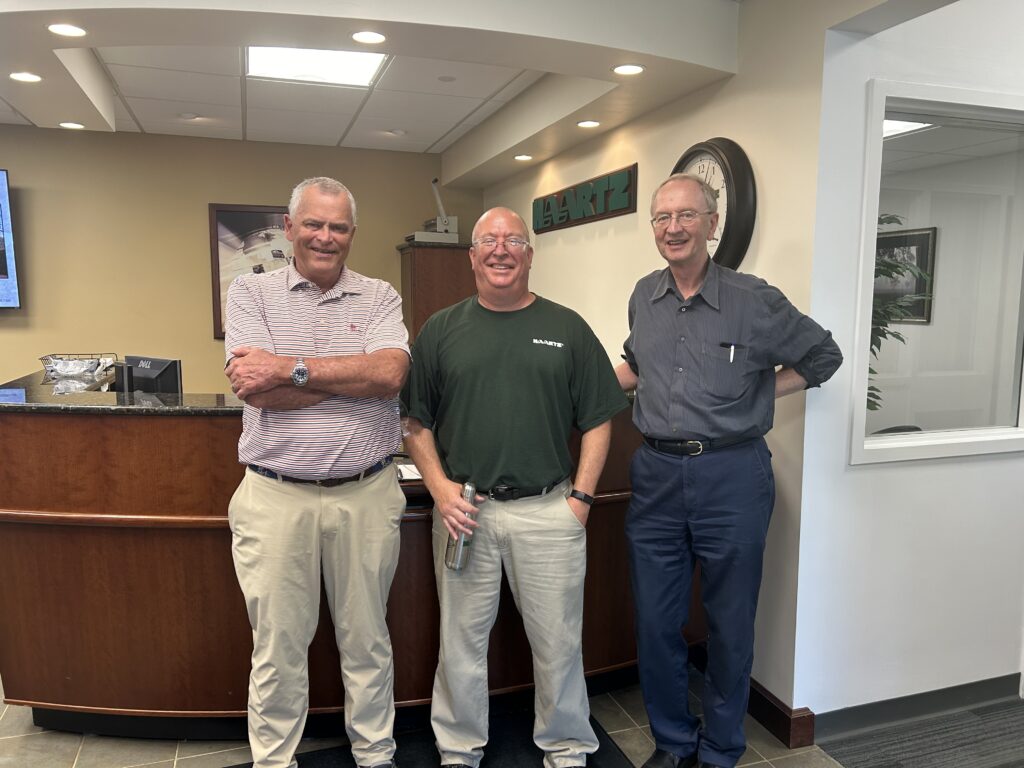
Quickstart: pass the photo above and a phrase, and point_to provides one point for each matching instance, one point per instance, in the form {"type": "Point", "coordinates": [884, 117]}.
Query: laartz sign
{"type": "Point", "coordinates": [613, 194]}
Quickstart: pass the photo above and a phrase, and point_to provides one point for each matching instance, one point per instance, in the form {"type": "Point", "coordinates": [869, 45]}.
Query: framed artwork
{"type": "Point", "coordinates": [915, 247]}
{"type": "Point", "coordinates": [243, 239]}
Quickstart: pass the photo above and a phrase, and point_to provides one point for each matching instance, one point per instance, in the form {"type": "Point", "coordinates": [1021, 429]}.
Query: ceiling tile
{"type": "Point", "coordinates": [371, 133]}
{"type": "Point", "coordinates": [147, 83]}
{"type": "Point", "coordinates": [183, 58]}
{"type": "Point", "coordinates": [942, 139]}
{"type": "Point", "coordinates": [303, 97]}
{"type": "Point", "coordinates": [1011, 144]}
{"type": "Point", "coordinates": [123, 121]}
{"type": "Point", "coordinates": [409, 108]}
{"type": "Point", "coordinates": [417, 75]}
{"type": "Point", "coordinates": [157, 116]}
{"type": "Point", "coordinates": [295, 127]}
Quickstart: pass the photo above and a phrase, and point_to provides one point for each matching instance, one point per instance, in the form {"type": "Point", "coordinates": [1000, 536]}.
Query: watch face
{"type": "Point", "coordinates": [300, 374]}
{"type": "Point", "coordinates": [705, 166]}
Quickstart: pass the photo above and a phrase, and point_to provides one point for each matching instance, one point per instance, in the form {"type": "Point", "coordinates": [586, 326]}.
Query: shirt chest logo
{"type": "Point", "coordinates": [547, 343]}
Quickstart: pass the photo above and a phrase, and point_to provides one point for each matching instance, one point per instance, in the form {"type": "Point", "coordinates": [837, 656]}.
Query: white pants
{"type": "Point", "coordinates": [543, 549]}
{"type": "Point", "coordinates": [281, 533]}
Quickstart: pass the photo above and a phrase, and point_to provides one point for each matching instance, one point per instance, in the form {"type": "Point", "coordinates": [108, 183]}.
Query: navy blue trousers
{"type": "Point", "coordinates": [711, 509]}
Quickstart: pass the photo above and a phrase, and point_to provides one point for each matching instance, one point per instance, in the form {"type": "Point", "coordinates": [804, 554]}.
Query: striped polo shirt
{"type": "Point", "coordinates": [286, 314]}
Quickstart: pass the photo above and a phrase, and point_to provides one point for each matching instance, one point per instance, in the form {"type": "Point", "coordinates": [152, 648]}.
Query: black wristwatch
{"type": "Point", "coordinates": [586, 498]}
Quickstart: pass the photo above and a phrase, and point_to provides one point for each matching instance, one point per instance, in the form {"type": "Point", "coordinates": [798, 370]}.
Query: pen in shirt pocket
{"type": "Point", "coordinates": [732, 348]}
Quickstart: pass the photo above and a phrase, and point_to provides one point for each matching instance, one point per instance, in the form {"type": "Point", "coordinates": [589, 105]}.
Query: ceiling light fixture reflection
{"type": "Point", "coordinates": [892, 128]}
{"type": "Point", "coordinates": [628, 69]}
{"type": "Point", "coordinates": [369, 38]}
{"type": "Point", "coordinates": [588, 123]}
{"type": "Point", "coordinates": [72, 126]}
{"type": "Point", "coordinates": [188, 115]}
{"type": "Point", "coordinates": [396, 132]}
{"type": "Point", "coordinates": [523, 158]}
{"type": "Point", "coordinates": [25, 77]}
{"type": "Point", "coordinates": [66, 30]}
{"type": "Point", "coordinates": [314, 66]}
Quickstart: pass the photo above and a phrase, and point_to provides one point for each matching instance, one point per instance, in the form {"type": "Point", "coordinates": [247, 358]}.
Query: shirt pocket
{"type": "Point", "coordinates": [725, 370]}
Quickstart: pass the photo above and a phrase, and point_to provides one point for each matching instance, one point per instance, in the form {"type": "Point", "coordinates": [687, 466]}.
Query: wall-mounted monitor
{"type": "Point", "coordinates": [153, 374]}
{"type": "Point", "coordinates": [9, 294]}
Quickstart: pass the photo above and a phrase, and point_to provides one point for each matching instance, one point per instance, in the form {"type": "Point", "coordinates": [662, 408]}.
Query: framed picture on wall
{"type": "Point", "coordinates": [243, 239]}
{"type": "Point", "coordinates": [913, 283]}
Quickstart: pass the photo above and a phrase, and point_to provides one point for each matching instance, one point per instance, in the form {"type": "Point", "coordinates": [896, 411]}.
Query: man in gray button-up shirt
{"type": "Point", "coordinates": [704, 354]}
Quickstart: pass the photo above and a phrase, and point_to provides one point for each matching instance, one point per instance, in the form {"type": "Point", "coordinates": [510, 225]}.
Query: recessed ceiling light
{"type": "Point", "coordinates": [396, 132]}
{"type": "Point", "coordinates": [25, 77]}
{"type": "Point", "coordinates": [523, 158]}
{"type": "Point", "coordinates": [66, 30]}
{"type": "Point", "coordinates": [188, 115]}
{"type": "Point", "coordinates": [72, 126]}
{"type": "Point", "coordinates": [370, 38]}
{"type": "Point", "coordinates": [314, 66]}
{"type": "Point", "coordinates": [588, 123]}
{"type": "Point", "coordinates": [628, 69]}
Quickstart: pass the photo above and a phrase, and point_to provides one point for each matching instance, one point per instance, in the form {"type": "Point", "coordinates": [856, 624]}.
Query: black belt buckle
{"type": "Point", "coordinates": [503, 493]}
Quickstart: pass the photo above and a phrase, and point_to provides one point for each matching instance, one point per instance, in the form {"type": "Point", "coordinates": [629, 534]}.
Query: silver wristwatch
{"type": "Point", "coordinates": [300, 373]}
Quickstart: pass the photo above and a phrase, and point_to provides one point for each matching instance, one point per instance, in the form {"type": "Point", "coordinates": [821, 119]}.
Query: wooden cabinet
{"type": "Point", "coordinates": [434, 276]}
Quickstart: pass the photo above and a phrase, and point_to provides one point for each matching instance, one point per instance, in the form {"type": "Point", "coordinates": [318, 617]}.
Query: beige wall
{"type": "Point", "coordinates": [112, 234]}
{"type": "Point", "coordinates": [771, 108]}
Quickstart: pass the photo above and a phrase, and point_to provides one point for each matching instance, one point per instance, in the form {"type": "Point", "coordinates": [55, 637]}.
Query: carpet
{"type": "Point", "coordinates": [990, 736]}
{"type": "Point", "coordinates": [510, 746]}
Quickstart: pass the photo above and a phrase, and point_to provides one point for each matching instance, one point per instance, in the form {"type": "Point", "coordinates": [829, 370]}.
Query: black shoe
{"type": "Point", "coordinates": [663, 759]}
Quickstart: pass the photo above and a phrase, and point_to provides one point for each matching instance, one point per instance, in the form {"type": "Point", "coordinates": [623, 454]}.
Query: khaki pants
{"type": "Point", "coordinates": [281, 534]}
{"type": "Point", "coordinates": [543, 549]}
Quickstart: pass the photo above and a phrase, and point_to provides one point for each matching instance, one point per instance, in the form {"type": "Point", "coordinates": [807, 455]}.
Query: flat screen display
{"type": "Point", "coordinates": [9, 294]}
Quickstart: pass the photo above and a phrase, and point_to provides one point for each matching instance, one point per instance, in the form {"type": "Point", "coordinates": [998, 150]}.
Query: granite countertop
{"type": "Point", "coordinates": [30, 393]}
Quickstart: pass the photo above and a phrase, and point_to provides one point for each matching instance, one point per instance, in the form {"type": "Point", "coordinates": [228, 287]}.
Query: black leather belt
{"type": "Point", "coordinates": [694, 447]}
{"type": "Point", "coordinates": [330, 482]}
{"type": "Point", "coordinates": [508, 493]}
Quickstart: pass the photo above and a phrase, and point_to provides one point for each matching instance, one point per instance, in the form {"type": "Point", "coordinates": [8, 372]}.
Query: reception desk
{"type": "Point", "coordinates": [117, 591]}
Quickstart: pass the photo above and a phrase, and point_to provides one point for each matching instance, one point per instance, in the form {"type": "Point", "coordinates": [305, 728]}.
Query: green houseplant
{"type": "Point", "coordinates": [885, 310]}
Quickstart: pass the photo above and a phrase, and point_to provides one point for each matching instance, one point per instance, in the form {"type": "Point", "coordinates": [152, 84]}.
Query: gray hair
{"type": "Point", "coordinates": [324, 184]}
{"type": "Point", "coordinates": [710, 194]}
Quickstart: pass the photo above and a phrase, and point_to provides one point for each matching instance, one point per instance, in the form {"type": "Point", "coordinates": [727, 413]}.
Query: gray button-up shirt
{"type": "Point", "coordinates": [706, 366]}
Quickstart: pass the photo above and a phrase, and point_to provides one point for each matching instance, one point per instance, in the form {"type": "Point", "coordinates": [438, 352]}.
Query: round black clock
{"type": "Point", "coordinates": [724, 165]}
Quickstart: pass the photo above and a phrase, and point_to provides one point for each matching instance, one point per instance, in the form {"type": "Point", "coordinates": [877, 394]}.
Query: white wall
{"type": "Point", "coordinates": [911, 573]}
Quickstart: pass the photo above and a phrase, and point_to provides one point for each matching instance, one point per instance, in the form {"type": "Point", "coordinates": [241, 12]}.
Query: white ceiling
{"type": "Point", "coordinates": [945, 144]}
{"type": "Point", "coordinates": [484, 89]}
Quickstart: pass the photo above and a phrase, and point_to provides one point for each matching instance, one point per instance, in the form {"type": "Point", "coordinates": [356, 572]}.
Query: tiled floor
{"type": "Point", "coordinates": [620, 712]}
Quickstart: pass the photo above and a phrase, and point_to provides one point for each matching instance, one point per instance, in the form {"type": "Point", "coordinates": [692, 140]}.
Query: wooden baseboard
{"type": "Point", "coordinates": [793, 727]}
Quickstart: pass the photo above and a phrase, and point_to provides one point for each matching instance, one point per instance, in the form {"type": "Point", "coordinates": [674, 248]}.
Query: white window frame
{"type": "Point", "coordinates": [909, 446]}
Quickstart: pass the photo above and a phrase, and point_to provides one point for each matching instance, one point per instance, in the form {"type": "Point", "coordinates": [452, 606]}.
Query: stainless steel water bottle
{"type": "Point", "coordinates": [456, 554]}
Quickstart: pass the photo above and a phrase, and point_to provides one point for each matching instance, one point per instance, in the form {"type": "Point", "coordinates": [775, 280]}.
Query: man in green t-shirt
{"type": "Point", "coordinates": [498, 381]}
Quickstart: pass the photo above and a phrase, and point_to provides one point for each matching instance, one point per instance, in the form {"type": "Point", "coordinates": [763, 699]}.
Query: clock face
{"type": "Point", "coordinates": [723, 164]}
{"type": "Point", "coordinates": [705, 166]}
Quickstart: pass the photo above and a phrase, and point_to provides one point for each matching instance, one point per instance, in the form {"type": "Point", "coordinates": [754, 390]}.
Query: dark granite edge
{"type": "Point", "coordinates": [125, 409]}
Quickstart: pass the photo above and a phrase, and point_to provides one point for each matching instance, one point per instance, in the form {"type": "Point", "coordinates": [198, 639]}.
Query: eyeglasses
{"type": "Point", "coordinates": [511, 243]}
{"type": "Point", "coordinates": [685, 218]}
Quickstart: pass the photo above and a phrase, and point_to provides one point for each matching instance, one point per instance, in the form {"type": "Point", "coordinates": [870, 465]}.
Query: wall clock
{"type": "Point", "coordinates": [723, 164]}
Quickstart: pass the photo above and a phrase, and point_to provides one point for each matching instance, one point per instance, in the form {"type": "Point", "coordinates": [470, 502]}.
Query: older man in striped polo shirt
{"type": "Point", "coordinates": [318, 353]}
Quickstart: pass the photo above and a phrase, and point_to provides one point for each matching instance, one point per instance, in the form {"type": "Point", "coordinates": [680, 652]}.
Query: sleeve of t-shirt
{"type": "Point", "coordinates": [386, 329]}
{"type": "Point", "coordinates": [597, 395]}
{"type": "Point", "coordinates": [245, 324]}
{"type": "Point", "coordinates": [420, 396]}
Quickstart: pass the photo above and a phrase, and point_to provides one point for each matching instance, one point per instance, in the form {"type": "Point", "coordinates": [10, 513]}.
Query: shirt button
{"type": "Point", "coordinates": [674, 429]}
{"type": "Point", "coordinates": [679, 369]}
{"type": "Point", "coordinates": [682, 309]}
{"type": "Point", "coordinates": [682, 338]}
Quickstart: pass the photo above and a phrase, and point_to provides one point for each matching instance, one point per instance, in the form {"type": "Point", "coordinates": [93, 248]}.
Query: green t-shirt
{"type": "Point", "coordinates": [503, 390]}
